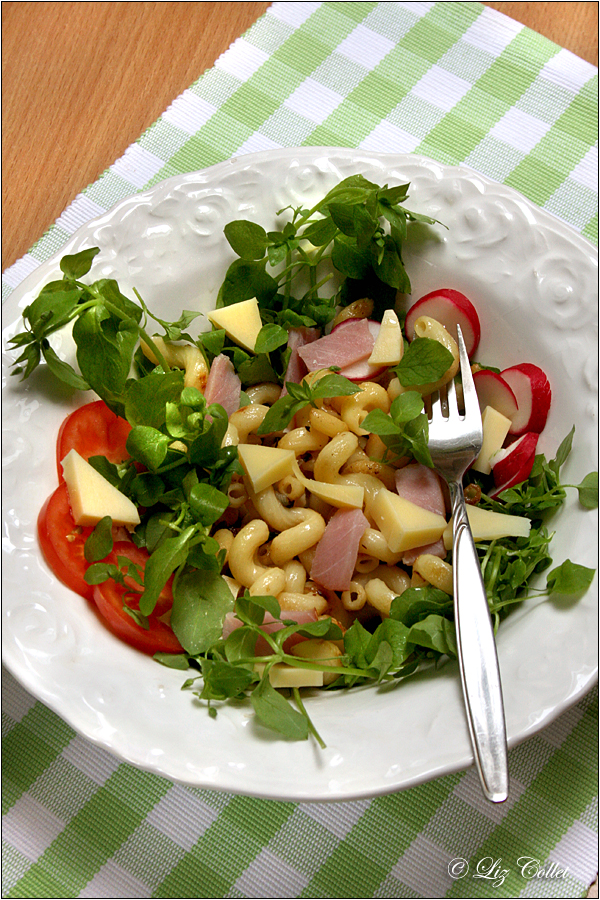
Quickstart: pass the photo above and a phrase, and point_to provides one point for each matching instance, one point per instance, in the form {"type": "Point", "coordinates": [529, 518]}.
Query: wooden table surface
{"type": "Point", "coordinates": [76, 91]}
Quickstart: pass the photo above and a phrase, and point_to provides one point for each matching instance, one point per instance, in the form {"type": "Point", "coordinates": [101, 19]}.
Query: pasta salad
{"type": "Point", "coordinates": [258, 505]}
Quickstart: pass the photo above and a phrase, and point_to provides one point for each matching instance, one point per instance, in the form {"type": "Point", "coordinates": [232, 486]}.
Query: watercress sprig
{"type": "Point", "coordinates": [300, 395]}
{"type": "Point", "coordinates": [358, 229]}
{"type": "Point", "coordinates": [106, 329]}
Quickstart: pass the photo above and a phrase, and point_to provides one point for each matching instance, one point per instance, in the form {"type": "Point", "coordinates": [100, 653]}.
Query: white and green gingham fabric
{"type": "Point", "coordinates": [462, 84]}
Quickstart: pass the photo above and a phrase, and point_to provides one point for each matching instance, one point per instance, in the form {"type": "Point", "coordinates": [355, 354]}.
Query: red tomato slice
{"type": "Point", "coordinates": [93, 430]}
{"type": "Point", "coordinates": [108, 597]}
{"type": "Point", "coordinates": [62, 542]}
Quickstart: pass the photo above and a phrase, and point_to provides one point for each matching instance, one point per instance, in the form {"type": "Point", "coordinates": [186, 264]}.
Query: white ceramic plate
{"type": "Point", "coordinates": [534, 283]}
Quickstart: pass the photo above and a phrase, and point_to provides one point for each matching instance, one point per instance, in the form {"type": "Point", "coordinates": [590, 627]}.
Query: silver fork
{"type": "Point", "coordinates": [454, 442]}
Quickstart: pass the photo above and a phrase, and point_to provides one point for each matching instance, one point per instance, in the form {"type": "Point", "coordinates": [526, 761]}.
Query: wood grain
{"type": "Point", "coordinates": [82, 81]}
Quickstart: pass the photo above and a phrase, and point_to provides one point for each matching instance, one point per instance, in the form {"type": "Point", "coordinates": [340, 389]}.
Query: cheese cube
{"type": "Point", "coordinates": [495, 429]}
{"type": "Point", "coordinates": [342, 496]}
{"type": "Point", "coordinates": [92, 497]}
{"type": "Point", "coordinates": [241, 322]}
{"type": "Point", "coordinates": [389, 345]}
{"type": "Point", "coordinates": [487, 525]}
{"type": "Point", "coordinates": [265, 465]}
{"type": "Point", "coordinates": [403, 524]}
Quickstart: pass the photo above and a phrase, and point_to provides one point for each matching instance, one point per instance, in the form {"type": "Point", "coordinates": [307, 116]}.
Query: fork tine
{"type": "Point", "coordinates": [452, 399]}
{"type": "Point", "coordinates": [470, 399]}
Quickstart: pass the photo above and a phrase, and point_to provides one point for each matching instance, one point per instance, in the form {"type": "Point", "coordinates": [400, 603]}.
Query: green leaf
{"type": "Point", "coordinates": [213, 341]}
{"type": "Point", "coordinates": [247, 239]}
{"type": "Point", "coordinates": [246, 279]}
{"type": "Point", "coordinates": [172, 660]}
{"type": "Point", "coordinates": [256, 370]}
{"type": "Point", "coordinates": [201, 600]}
{"type": "Point", "coordinates": [275, 712]}
{"type": "Point", "coordinates": [100, 542]}
{"type": "Point", "coordinates": [378, 422]}
{"type": "Point", "coordinates": [356, 641]}
{"type": "Point", "coordinates": [434, 632]}
{"type": "Point", "coordinates": [241, 643]}
{"type": "Point", "coordinates": [563, 452]}
{"type": "Point", "coordinates": [98, 572]}
{"type": "Point", "coordinates": [280, 414]}
{"type": "Point", "coordinates": [333, 386]}
{"type": "Point", "coordinates": [146, 398]}
{"type": "Point", "coordinates": [63, 371]}
{"type": "Point", "coordinates": [270, 337]}
{"type": "Point", "coordinates": [167, 557]}
{"type": "Point", "coordinates": [52, 309]}
{"type": "Point", "coordinates": [588, 491]}
{"type": "Point", "coordinates": [321, 232]}
{"type": "Point", "coordinates": [569, 578]}
{"type": "Point", "coordinates": [393, 195]}
{"type": "Point", "coordinates": [207, 503]}
{"type": "Point", "coordinates": [406, 406]}
{"type": "Point", "coordinates": [105, 348]}
{"type": "Point", "coordinates": [251, 610]}
{"type": "Point", "coordinates": [416, 603]}
{"type": "Point", "coordinates": [425, 361]}
{"type": "Point", "coordinates": [349, 260]}
{"type": "Point", "coordinates": [223, 680]}
{"type": "Point", "coordinates": [396, 635]}
{"type": "Point", "coordinates": [148, 446]}
{"type": "Point", "coordinates": [389, 267]}
{"type": "Point", "coordinates": [79, 264]}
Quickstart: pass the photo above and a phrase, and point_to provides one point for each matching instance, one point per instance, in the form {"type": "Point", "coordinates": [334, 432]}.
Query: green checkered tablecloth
{"type": "Point", "coordinates": [462, 84]}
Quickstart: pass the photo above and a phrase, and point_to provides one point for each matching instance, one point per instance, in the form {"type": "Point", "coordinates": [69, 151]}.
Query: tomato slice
{"type": "Point", "coordinates": [62, 542]}
{"type": "Point", "coordinates": [108, 597]}
{"type": "Point", "coordinates": [93, 430]}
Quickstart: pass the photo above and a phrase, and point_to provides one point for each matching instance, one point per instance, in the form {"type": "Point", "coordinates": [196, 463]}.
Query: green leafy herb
{"type": "Point", "coordinates": [425, 361]}
{"type": "Point", "coordinates": [300, 395]}
{"type": "Point", "coordinates": [405, 430]}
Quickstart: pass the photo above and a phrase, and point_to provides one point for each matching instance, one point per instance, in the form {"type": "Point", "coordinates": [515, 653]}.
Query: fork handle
{"type": "Point", "coordinates": [477, 657]}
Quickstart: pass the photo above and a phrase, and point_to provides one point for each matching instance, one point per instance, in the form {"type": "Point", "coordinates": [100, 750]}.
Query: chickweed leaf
{"type": "Point", "coordinates": [569, 578]}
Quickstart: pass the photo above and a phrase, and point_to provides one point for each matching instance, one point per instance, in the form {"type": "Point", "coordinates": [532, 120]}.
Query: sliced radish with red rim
{"type": "Point", "coordinates": [532, 391]}
{"type": "Point", "coordinates": [450, 308]}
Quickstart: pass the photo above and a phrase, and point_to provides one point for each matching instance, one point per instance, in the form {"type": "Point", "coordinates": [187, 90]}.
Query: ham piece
{"type": "Point", "coordinates": [296, 369]}
{"type": "Point", "coordinates": [422, 486]}
{"type": "Point", "coordinates": [335, 557]}
{"type": "Point", "coordinates": [223, 385]}
{"type": "Point", "coordinates": [347, 344]}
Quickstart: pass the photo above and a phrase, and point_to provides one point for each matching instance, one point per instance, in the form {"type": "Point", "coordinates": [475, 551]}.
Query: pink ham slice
{"type": "Point", "coordinates": [421, 485]}
{"type": "Point", "coordinates": [223, 385]}
{"type": "Point", "coordinates": [347, 344]}
{"type": "Point", "coordinates": [296, 370]}
{"type": "Point", "coordinates": [335, 557]}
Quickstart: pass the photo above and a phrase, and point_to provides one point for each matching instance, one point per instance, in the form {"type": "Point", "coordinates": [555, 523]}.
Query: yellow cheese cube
{"type": "Point", "coordinates": [241, 322]}
{"type": "Point", "coordinates": [92, 497]}
{"type": "Point", "coordinates": [342, 496]}
{"type": "Point", "coordinates": [495, 429]}
{"type": "Point", "coordinates": [487, 525]}
{"type": "Point", "coordinates": [389, 345]}
{"type": "Point", "coordinates": [265, 465]}
{"type": "Point", "coordinates": [403, 524]}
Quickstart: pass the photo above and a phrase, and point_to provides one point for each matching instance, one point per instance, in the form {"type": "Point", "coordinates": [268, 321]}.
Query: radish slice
{"type": "Point", "coordinates": [363, 370]}
{"type": "Point", "coordinates": [515, 460]}
{"type": "Point", "coordinates": [450, 308]}
{"type": "Point", "coordinates": [493, 390]}
{"type": "Point", "coordinates": [532, 390]}
{"type": "Point", "coordinates": [514, 464]}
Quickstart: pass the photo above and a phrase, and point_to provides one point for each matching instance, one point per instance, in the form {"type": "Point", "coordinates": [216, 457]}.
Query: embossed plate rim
{"type": "Point", "coordinates": [84, 681]}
